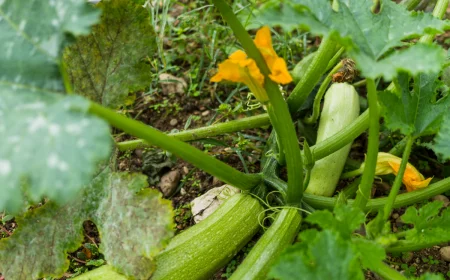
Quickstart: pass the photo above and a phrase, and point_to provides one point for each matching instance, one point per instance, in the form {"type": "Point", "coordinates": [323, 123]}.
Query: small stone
{"type": "Point", "coordinates": [183, 191]}
{"type": "Point", "coordinates": [228, 150]}
{"type": "Point", "coordinates": [139, 152]}
{"type": "Point", "coordinates": [407, 257]}
{"type": "Point", "coordinates": [205, 113]}
{"type": "Point", "coordinates": [395, 216]}
{"type": "Point", "coordinates": [173, 122]}
{"type": "Point", "coordinates": [169, 182]}
{"type": "Point", "coordinates": [417, 260]}
{"type": "Point", "coordinates": [185, 170]}
{"type": "Point", "coordinates": [171, 84]}
{"type": "Point", "coordinates": [442, 198]}
{"type": "Point", "coordinates": [445, 253]}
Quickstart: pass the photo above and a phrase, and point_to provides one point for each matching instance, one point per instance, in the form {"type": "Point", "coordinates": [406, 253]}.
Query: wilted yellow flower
{"type": "Point", "coordinates": [239, 68]}
{"type": "Point", "coordinates": [390, 164]}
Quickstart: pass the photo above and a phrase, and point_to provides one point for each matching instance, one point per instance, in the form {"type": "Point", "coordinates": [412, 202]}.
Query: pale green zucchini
{"type": "Point", "coordinates": [105, 272]}
{"type": "Point", "coordinates": [279, 236]}
{"type": "Point", "coordinates": [200, 251]}
{"type": "Point", "coordinates": [341, 108]}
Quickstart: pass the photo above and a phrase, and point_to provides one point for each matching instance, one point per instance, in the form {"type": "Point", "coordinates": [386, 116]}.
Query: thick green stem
{"type": "Point", "coordinates": [410, 4]}
{"type": "Point", "coordinates": [398, 179]}
{"type": "Point", "coordinates": [323, 87]}
{"type": "Point", "coordinates": [204, 132]}
{"type": "Point", "coordinates": [281, 120]}
{"type": "Point", "coordinates": [312, 75]}
{"type": "Point", "coordinates": [408, 247]}
{"type": "Point", "coordinates": [386, 272]}
{"type": "Point", "coordinates": [438, 12]}
{"type": "Point", "coordinates": [342, 138]}
{"type": "Point", "coordinates": [185, 151]}
{"type": "Point", "coordinates": [404, 199]}
{"type": "Point", "coordinates": [363, 193]}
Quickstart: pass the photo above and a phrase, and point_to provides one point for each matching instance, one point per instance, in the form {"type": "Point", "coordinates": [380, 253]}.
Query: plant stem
{"type": "Point", "coordinates": [398, 179]}
{"type": "Point", "coordinates": [323, 87]}
{"type": "Point", "coordinates": [312, 75]}
{"type": "Point", "coordinates": [351, 174]}
{"type": "Point", "coordinates": [372, 149]}
{"type": "Point", "coordinates": [342, 138]}
{"type": "Point", "coordinates": [438, 12]}
{"type": "Point", "coordinates": [409, 247]}
{"type": "Point", "coordinates": [410, 4]}
{"type": "Point", "coordinates": [386, 272]}
{"type": "Point", "coordinates": [376, 204]}
{"type": "Point", "coordinates": [185, 151]}
{"type": "Point", "coordinates": [281, 120]}
{"type": "Point", "coordinates": [204, 132]}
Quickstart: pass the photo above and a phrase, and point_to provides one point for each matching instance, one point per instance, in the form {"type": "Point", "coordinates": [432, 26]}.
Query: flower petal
{"type": "Point", "coordinates": [280, 74]}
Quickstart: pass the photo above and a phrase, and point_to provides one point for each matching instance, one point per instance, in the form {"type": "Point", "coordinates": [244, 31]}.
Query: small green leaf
{"type": "Point", "coordinates": [327, 256]}
{"type": "Point", "coordinates": [442, 139]}
{"type": "Point", "coordinates": [112, 61]}
{"type": "Point", "coordinates": [344, 221]}
{"type": "Point", "coordinates": [415, 113]}
{"type": "Point", "coordinates": [429, 276]}
{"type": "Point", "coordinates": [370, 253]}
{"type": "Point", "coordinates": [134, 225]}
{"type": "Point", "coordinates": [52, 148]}
{"type": "Point", "coordinates": [368, 37]}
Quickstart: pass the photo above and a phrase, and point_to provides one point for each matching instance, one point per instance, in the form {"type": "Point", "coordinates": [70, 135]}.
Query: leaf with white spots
{"type": "Point", "coordinates": [51, 147]}
{"type": "Point", "coordinates": [112, 61]}
{"type": "Point", "coordinates": [134, 223]}
{"type": "Point", "coordinates": [32, 33]}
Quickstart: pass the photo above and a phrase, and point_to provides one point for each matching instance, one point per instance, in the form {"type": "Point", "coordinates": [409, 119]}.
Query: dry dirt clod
{"type": "Point", "coordinates": [171, 84]}
{"type": "Point", "coordinates": [445, 253]}
{"type": "Point", "coordinates": [442, 198]}
{"type": "Point", "coordinates": [173, 122]}
{"type": "Point", "coordinates": [169, 182]}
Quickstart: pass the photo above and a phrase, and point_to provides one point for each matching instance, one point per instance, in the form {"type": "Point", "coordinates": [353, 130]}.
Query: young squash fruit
{"type": "Point", "coordinates": [201, 250]}
{"type": "Point", "coordinates": [341, 108]}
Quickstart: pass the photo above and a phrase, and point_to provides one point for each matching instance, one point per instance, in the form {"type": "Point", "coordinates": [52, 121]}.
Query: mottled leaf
{"type": "Point", "coordinates": [328, 256]}
{"type": "Point", "coordinates": [134, 225]}
{"type": "Point", "coordinates": [367, 36]}
{"type": "Point", "coordinates": [32, 35]}
{"type": "Point", "coordinates": [112, 61]}
{"type": "Point", "coordinates": [442, 139]}
{"type": "Point", "coordinates": [418, 112]}
{"type": "Point", "coordinates": [52, 147]}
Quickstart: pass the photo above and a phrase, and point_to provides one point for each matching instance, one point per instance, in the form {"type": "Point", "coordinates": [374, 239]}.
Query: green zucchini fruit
{"type": "Point", "coordinates": [341, 108]}
{"type": "Point", "coordinates": [278, 237]}
{"type": "Point", "coordinates": [201, 250]}
{"type": "Point", "coordinates": [300, 69]}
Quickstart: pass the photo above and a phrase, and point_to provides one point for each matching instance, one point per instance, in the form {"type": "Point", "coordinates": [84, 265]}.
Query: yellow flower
{"type": "Point", "coordinates": [390, 164]}
{"type": "Point", "coordinates": [241, 69]}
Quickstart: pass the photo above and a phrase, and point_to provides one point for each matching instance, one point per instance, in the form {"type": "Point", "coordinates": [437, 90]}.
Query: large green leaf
{"type": "Point", "coordinates": [134, 225]}
{"type": "Point", "coordinates": [418, 112]}
{"type": "Point", "coordinates": [442, 139]}
{"type": "Point", "coordinates": [367, 36]}
{"type": "Point", "coordinates": [51, 146]}
{"type": "Point", "coordinates": [112, 61]}
{"type": "Point", "coordinates": [32, 35]}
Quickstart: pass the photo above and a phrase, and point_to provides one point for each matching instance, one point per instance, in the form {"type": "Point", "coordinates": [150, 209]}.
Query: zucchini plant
{"type": "Point", "coordinates": [67, 66]}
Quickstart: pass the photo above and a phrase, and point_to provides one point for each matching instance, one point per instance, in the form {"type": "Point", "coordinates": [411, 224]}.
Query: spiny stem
{"type": "Point", "coordinates": [281, 121]}
{"type": "Point", "coordinates": [185, 151]}
{"type": "Point", "coordinates": [363, 193]}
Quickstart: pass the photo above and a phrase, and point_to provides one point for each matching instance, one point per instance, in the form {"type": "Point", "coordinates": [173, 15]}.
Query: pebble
{"type": "Point", "coordinates": [139, 152]}
{"type": "Point", "coordinates": [169, 182]}
{"type": "Point", "coordinates": [442, 198]}
{"type": "Point", "coordinates": [183, 191]}
{"type": "Point", "coordinates": [185, 170]}
{"type": "Point", "coordinates": [171, 84]}
{"type": "Point", "coordinates": [205, 113]}
{"type": "Point", "coordinates": [173, 122]}
{"type": "Point", "coordinates": [445, 253]}
{"type": "Point", "coordinates": [395, 216]}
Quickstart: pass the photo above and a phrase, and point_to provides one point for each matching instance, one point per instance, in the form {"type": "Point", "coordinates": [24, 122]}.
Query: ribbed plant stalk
{"type": "Point", "coordinates": [281, 120]}
{"type": "Point", "coordinates": [183, 150]}
{"type": "Point", "coordinates": [204, 132]}
{"type": "Point", "coordinates": [363, 193]}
